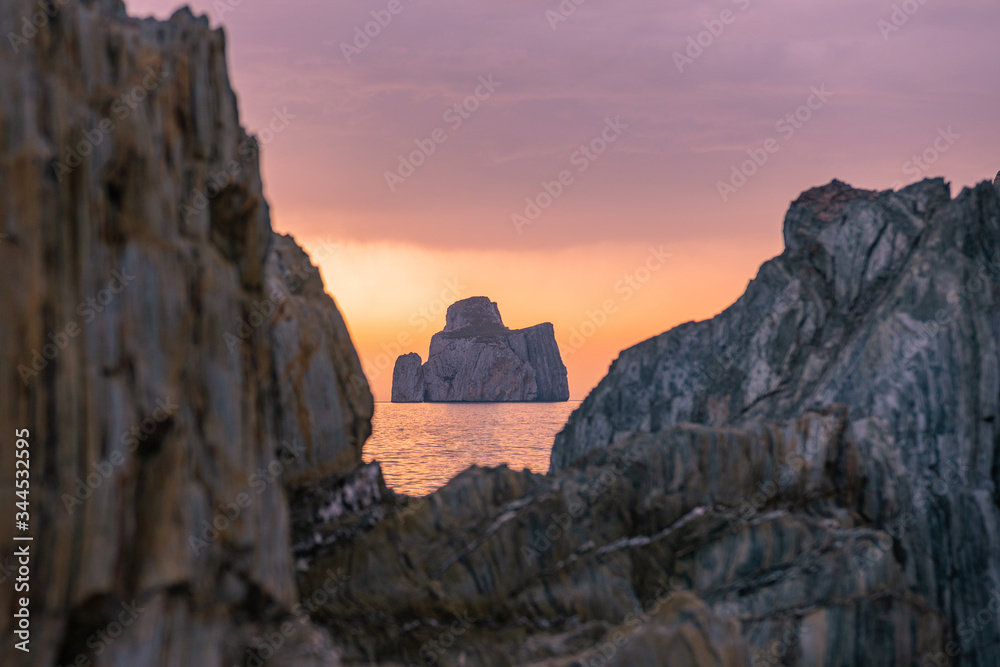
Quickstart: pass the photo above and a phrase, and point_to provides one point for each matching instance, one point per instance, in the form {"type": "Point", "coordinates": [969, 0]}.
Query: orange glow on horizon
{"type": "Point", "coordinates": [600, 299]}
{"type": "Point", "coordinates": [682, 173]}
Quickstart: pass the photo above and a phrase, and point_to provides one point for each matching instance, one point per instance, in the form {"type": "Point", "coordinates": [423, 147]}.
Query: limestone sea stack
{"type": "Point", "coordinates": [476, 358]}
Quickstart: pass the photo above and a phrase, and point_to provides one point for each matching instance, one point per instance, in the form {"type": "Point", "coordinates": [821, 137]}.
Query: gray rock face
{"type": "Point", "coordinates": [212, 378]}
{"type": "Point", "coordinates": [887, 303]}
{"type": "Point", "coordinates": [812, 475]}
{"type": "Point", "coordinates": [759, 534]}
{"type": "Point", "coordinates": [809, 478]}
{"type": "Point", "coordinates": [475, 312]}
{"type": "Point", "coordinates": [408, 379]}
{"type": "Point", "coordinates": [475, 358]}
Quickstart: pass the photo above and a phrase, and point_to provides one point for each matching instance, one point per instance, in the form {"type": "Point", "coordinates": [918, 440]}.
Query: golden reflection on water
{"type": "Point", "coordinates": [423, 445]}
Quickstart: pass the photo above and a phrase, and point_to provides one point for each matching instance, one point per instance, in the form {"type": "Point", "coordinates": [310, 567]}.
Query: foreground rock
{"type": "Point", "coordinates": [475, 358]}
{"type": "Point", "coordinates": [693, 546]}
{"type": "Point", "coordinates": [886, 303]}
{"type": "Point", "coordinates": [811, 476]}
{"type": "Point", "coordinates": [808, 479]}
{"type": "Point", "coordinates": [199, 373]}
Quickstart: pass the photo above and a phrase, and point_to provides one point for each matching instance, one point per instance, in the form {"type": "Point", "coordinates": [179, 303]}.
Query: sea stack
{"type": "Point", "coordinates": [477, 359]}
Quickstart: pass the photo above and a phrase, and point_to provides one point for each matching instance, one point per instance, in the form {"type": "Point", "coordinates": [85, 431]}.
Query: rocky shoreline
{"type": "Point", "coordinates": [809, 478]}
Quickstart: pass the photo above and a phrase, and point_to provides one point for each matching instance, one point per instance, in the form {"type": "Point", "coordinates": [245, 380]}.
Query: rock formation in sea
{"type": "Point", "coordinates": [475, 358]}
{"type": "Point", "coordinates": [808, 478]}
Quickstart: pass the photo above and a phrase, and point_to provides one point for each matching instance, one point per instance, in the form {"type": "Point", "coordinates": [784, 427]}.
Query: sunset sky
{"type": "Point", "coordinates": [642, 108]}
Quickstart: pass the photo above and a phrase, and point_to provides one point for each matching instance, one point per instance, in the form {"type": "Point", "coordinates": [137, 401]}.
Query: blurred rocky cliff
{"type": "Point", "coordinates": [178, 366]}
{"type": "Point", "coordinates": [809, 478]}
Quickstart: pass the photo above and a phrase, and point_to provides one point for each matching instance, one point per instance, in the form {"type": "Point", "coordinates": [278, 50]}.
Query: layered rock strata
{"type": "Point", "coordinates": [809, 478]}
{"type": "Point", "coordinates": [812, 475]}
{"type": "Point", "coordinates": [475, 358]}
{"type": "Point", "coordinates": [690, 546]}
{"type": "Point", "coordinates": [887, 303]}
{"type": "Point", "coordinates": [177, 366]}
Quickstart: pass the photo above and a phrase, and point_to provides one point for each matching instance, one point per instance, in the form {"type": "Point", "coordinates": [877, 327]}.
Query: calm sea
{"type": "Point", "coordinates": [423, 445]}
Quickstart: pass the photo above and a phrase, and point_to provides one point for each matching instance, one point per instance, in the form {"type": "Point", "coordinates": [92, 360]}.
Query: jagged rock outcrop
{"type": "Point", "coordinates": [809, 478]}
{"type": "Point", "coordinates": [815, 469]}
{"type": "Point", "coordinates": [475, 358]}
{"type": "Point", "coordinates": [408, 379]}
{"type": "Point", "coordinates": [887, 303]}
{"type": "Point", "coordinates": [177, 365]}
{"type": "Point", "coordinates": [763, 534]}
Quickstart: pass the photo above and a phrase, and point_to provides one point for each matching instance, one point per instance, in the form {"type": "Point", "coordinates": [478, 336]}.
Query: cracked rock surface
{"type": "Point", "coordinates": [809, 478]}
{"type": "Point", "coordinates": [475, 358]}
{"type": "Point", "coordinates": [811, 475]}
{"type": "Point", "coordinates": [887, 303]}
{"type": "Point", "coordinates": [201, 375]}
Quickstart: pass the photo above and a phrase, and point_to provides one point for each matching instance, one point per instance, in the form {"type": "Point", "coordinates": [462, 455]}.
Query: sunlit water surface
{"type": "Point", "coordinates": [423, 445]}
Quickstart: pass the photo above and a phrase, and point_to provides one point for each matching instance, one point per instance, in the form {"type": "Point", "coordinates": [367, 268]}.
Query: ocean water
{"type": "Point", "coordinates": [423, 445]}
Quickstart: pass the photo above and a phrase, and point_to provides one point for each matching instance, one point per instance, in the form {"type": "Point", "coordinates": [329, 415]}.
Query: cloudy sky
{"type": "Point", "coordinates": [588, 143]}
